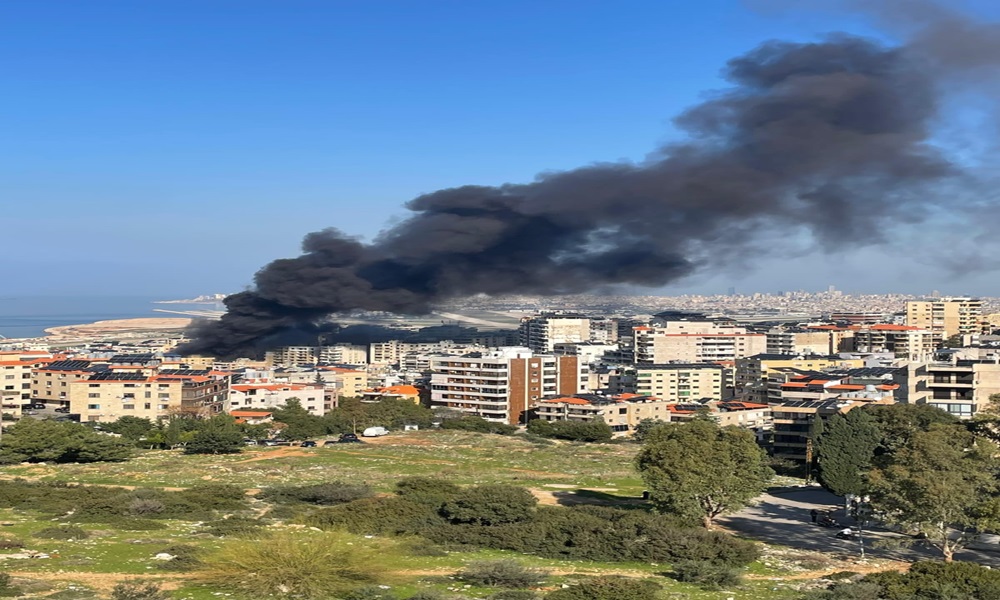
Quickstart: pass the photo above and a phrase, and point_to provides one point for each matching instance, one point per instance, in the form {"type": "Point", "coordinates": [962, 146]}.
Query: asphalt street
{"type": "Point", "coordinates": [783, 517]}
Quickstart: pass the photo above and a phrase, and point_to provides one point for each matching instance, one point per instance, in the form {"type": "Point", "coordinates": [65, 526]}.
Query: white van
{"type": "Point", "coordinates": [375, 431]}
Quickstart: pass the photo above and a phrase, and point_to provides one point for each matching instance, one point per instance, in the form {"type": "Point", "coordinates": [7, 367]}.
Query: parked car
{"type": "Point", "coordinates": [268, 443]}
{"type": "Point", "coordinates": [37, 406]}
{"type": "Point", "coordinates": [308, 444]}
{"type": "Point", "coordinates": [375, 432]}
{"type": "Point", "coordinates": [62, 409]}
{"type": "Point", "coordinates": [249, 442]}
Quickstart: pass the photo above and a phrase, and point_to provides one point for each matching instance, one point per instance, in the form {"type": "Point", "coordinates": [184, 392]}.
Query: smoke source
{"type": "Point", "coordinates": [831, 138]}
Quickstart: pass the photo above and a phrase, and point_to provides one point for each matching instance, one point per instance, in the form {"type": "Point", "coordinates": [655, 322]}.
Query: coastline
{"type": "Point", "coordinates": [116, 326]}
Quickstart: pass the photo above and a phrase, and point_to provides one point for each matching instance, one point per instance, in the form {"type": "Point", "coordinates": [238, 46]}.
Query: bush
{"type": "Point", "coordinates": [185, 558]}
{"type": "Point", "coordinates": [140, 507]}
{"type": "Point", "coordinates": [937, 580]}
{"type": "Point", "coordinates": [388, 516]}
{"type": "Point", "coordinates": [234, 526]}
{"type": "Point", "coordinates": [501, 573]}
{"type": "Point", "coordinates": [7, 588]}
{"type": "Point", "coordinates": [132, 524]}
{"type": "Point", "coordinates": [138, 590]}
{"type": "Point", "coordinates": [578, 431]}
{"type": "Point", "coordinates": [215, 496]}
{"type": "Point", "coordinates": [314, 567]}
{"type": "Point", "coordinates": [34, 440]}
{"type": "Point", "coordinates": [478, 424]}
{"type": "Point", "coordinates": [608, 588]}
{"type": "Point", "coordinates": [490, 505]}
{"type": "Point", "coordinates": [11, 544]}
{"type": "Point", "coordinates": [707, 575]}
{"type": "Point", "coordinates": [427, 490]}
{"type": "Point", "coordinates": [62, 532]}
{"type": "Point", "coordinates": [218, 435]}
{"type": "Point", "coordinates": [514, 595]}
{"type": "Point", "coordinates": [322, 494]}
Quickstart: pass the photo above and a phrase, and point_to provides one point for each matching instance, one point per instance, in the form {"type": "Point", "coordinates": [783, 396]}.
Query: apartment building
{"type": "Point", "coordinates": [113, 393]}
{"type": "Point", "coordinates": [622, 413]}
{"type": "Point", "coordinates": [680, 382]}
{"type": "Point", "coordinates": [343, 354]}
{"type": "Point", "coordinates": [15, 379]}
{"type": "Point", "coordinates": [501, 384]}
{"type": "Point", "coordinates": [904, 341]}
{"type": "Point", "coordinates": [959, 387]}
{"type": "Point", "coordinates": [946, 316]}
{"type": "Point", "coordinates": [751, 373]}
{"type": "Point", "coordinates": [822, 339]}
{"type": "Point", "coordinates": [262, 395]}
{"type": "Point", "coordinates": [50, 381]}
{"type": "Point", "coordinates": [588, 352]}
{"type": "Point", "coordinates": [542, 332]}
{"type": "Point", "coordinates": [695, 341]}
{"type": "Point", "coordinates": [793, 422]}
{"type": "Point", "coordinates": [396, 352]}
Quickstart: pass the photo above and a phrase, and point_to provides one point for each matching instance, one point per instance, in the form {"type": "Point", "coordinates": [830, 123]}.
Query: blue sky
{"type": "Point", "coordinates": [173, 147]}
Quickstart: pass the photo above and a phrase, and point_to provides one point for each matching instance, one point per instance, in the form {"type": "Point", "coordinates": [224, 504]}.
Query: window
{"type": "Point", "coordinates": [147, 406]}
{"type": "Point", "coordinates": [94, 395]}
{"type": "Point", "coordinates": [128, 406]}
{"type": "Point", "coordinates": [93, 407]}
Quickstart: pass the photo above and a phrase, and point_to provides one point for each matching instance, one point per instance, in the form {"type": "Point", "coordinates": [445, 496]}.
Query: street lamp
{"type": "Point", "coordinates": [861, 511]}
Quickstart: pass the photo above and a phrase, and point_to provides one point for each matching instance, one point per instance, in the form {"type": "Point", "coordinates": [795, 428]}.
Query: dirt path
{"type": "Point", "coordinates": [281, 452]}
{"type": "Point", "coordinates": [861, 569]}
{"type": "Point", "coordinates": [103, 582]}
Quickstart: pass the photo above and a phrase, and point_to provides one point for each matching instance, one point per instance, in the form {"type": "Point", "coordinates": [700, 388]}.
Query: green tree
{"type": "Point", "coordinates": [698, 470]}
{"type": "Point", "coordinates": [941, 485]}
{"type": "Point", "coordinates": [899, 422]}
{"type": "Point", "coordinates": [644, 427]}
{"type": "Point", "coordinates": [846, 450]}
{"type": "Point", "coordinates": [32, 440]}
{"type": "Point", "coordinates": [218, 435]}
{"type": "Point", "coordinates": [299, 423]}
{"type": "Point", "coordinates": [134, 429]}
{"type": "Point", "coordinates": [986, 422]}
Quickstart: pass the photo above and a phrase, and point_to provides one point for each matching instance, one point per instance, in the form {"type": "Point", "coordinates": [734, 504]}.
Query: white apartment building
{"type": "Point", "coordinates": [694, 342]}
{"type": "Point", "coordinates": [264, 396]}
{"type": "Point", "coordinates": [501, 384]}
{"type": "Point", "coordinates": [679, 382]}
{"type": "Point", "coordinates": [541, 333]}
{"type": "Point", "coordinates": [904, 341]}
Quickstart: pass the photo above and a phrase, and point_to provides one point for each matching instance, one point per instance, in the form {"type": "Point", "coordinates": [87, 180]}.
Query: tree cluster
{"type": "Point", "coordinates": [576, 431]}
{"type": "Point", "coordinates": [923, 471]}
{"type": "Point", "coordinates": [32, 440]}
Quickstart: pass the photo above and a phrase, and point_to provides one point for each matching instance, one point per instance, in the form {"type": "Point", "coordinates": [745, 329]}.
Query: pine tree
{"type": "Point", "coordinates": [846, 450]}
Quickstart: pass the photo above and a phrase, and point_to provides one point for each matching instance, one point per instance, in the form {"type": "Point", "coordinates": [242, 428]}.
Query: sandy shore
{"type": "Point", "coordinates": [117, 326]}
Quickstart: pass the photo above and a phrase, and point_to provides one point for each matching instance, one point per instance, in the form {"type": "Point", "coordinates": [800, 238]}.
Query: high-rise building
{"type": "Point", "coordinates": [680, 382]}
{"type": "Point", "coordinates": [541, 333]}
{"type": "Point", "coordinates": [695, 341]}
{"type": "Point", "coordinates": [946, 316]}
{"type": "Point", "coordinates": [500, 385]}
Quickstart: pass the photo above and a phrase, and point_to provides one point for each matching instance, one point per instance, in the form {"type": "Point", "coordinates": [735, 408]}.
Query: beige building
{"type": "Point", "coordinates": [695, 341]}
{"type": "Point", "coordinates": [622, 413]}
{"type": "Point", "coordinates": [500, 385]}
{"type": "Point", "coordinates": [823, 339]}
{"type": "Point", "coordinates": [679, 382]}
{"type": "Point", "coordinates": [50, 382]}
{"type": "Point", "coordinates": [946, 316]}
{"type": "Point", "coordinates": [752, 372]}
{"type": "Point", "coordinates": [398, 392]}
{"type": "Point", "coordinates": [905, 341]}
{"type": "Point", "coordinates": [541, 333]}
{"type": "Point", "coordinates": [15, 379]}
{"type": "Point", "coordinates": [961, 387]}
{"type": "Point", "coordinates": [109, 395]}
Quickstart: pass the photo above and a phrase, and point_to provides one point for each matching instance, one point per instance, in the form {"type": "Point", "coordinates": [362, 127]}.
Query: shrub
{"type": "Point", "coordinates": [608, 588]}
{"type": "Point", "coordinates": [132, 524]}
{"type": "Point", "coordinates": [479, 424]}
{"type": "Point", "coordinates": [34, 440]}
{"type": "Point", "coordinates": [578, 431]}
{"type": "Point", "coordinates": [426, 490]}
{"type": "Point", "coordinates": [140, 507]}
{"type": "Point", "coordinates": [501, 573]}
{"type": "Point", "coordinates": [185, 558]}
{"type": "Point", "coordinates": [314, 567]}
{"type": "Point", "coordinates": [708, 575]}
{"type": "Point", "coordinates": [937, 580]}
{"type": "Point", "coordinates": [7, 588]}
{"type": "Point", "coordinates": [323, 494]}
{"type": "Point", "coordinates": [218, 435]}
{"type": "Point", "coordinates": [62, 532]}
{"type": "Point", "coordinates": [215, 496]}
{"type": "Point", "coordinates": [138, 590]}
{"type": "Point", "coordinates": [514, 595]}
{"type": "Point", "coordinates": [392, 516]}
{"type": "Point", "coordinates": [490, 505]}
{"type": "Point", "coordinates": [10, 544]}
{"type": "Point", "coordinates": [234, 526]}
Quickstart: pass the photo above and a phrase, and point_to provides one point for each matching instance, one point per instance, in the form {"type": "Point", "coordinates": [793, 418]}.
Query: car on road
{"type": "Point", "coordinates": [62, 409]}
{"type": "Point", "coordinates": [375, 432]}
{"type": "Point", "coordinates": [37, 406]}
{"type": "Point", "coordinates": [308, 444]}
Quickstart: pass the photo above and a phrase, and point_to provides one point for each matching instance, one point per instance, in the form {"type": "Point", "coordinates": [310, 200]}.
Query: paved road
{"type": "Point", "coordinates": [782, 517]}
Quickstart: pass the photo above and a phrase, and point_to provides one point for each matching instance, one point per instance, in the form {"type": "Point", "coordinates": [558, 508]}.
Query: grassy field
{"type": "Point", "coordinates": [87, 569]}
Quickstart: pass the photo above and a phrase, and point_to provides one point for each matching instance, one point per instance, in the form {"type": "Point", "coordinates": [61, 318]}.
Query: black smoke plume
{"type": "Point", "coordinates": [832, 138]}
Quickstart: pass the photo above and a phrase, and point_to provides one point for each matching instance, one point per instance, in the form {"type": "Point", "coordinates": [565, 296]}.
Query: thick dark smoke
{"type": "Point", "coordinates": [831, 138]}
